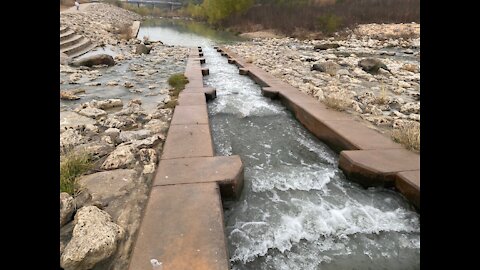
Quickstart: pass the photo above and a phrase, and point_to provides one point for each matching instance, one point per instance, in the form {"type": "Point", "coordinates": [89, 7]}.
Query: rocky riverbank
{"type": "Point", "coordinates": [345, 71]}
{"type": "Point", "coordinates": [114, 109]}
{"type": "Point", "coordinates": [101, 23]}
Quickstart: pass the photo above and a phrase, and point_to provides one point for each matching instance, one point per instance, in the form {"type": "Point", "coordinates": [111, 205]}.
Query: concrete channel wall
{"type": "Point", "coordinates": [366, 156]}
{"type": "Point", "coordinates": [183, 226]}
{"type": "Point", "coordinates": [135, 28]}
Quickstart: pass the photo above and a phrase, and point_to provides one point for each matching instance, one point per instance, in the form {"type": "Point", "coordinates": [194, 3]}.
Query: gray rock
{"type": "Point", "coordinates": [372, 65]}
{"type": "Point", "coordinates": [387, 53]}
{"type": "Point", "coordinates": [104, 186]}
{"type": "Point", "coordinates": [329, 67]}
{"type": "Point", "coordinates": [94, 60]}
{"type": "Point", "coordinates": [95, 238]}
{"type": "Point", "coordinates": [142, 49]}
{"type": "Point", "coordinates": [68, 95]}
{"type": "Point", "coordinates": [82, 198]}
{"type": "Point", "coordinates": [157, 126]}
{"type": "Point", "coordinates": [148, 142]}
{"type": "Point", "coordinates": [112, 132]}
{"type": "Point", "coordinates": [343, 72]}
{"type": "Point", "coordinates": [147, 156]}
{"type": "Point", "coordinates": [71, 138]}
{"type": "Point", "coordinates": [117, 121]}
{"type": "Point", "coordinates": [109, 103]}
{"type": "Point", "coordinates": [67, 207]}
{"type": "Point", "coordinates": [128, 84]}
{"type": "Point", "coordinates": [92, 112]}
{"type": "Point", "coordinates": [126, 136]}
{"type": "Point", "coordinates": [327, 46]}
{"type": "Point", "coordinates": [410, 107]}
{"type": "Point", "coordinates": [96, 149]}
{"type": "Point", "coordinates": [122, 157]}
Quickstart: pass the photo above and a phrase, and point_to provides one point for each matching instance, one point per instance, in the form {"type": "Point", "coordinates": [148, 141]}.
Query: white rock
{"type": "Point", "coordinates": [95, 238]}
{"type": "Point", "coordinates": [92, 112]}
{"type": "Point", "coordinates": [67, 206]}
{"type": "Point", "coordinates": [122, 157]}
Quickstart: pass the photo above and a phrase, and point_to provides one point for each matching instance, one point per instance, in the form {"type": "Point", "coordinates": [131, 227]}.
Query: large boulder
{"type": "Point", "coordinates": [104, 186]}
{"type": "Point", "coordinates": [67, 207]}
{"type": "Point", "coordinates": [95, 238]}
{"type": "Point", "coordinates": [372, 65]}
{"type": "Point", "coordinates": [327, 67]}
{"type": "Point", "coordinates": [94, 60]}
{"type": "Point", "coordinates": [142, 49]}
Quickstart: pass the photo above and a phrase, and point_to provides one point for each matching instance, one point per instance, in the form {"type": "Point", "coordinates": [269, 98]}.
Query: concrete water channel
{"type": "Point", "coordinates": [297, 209]}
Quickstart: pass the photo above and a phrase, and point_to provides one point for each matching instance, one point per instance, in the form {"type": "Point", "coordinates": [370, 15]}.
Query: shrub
{"type": "Point", "coordinates": [408, 135]}
{"type": "Point", "coordinates": [382, 98]}
{"type": "Point", "coordinates": [178, 81]}
{"type": "Point", "coordinates": [337, 102]}
{"type": "Point", "coordinates": [170, 105]}
{"type": "Point", "coordinates": [72, 165]}
{"type": "Point", "coordinates": [126, 32]}
{"type": "Point", "coordinates": [329, 23]}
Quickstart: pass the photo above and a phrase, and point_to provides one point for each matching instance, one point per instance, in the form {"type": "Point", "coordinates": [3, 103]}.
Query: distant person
{"type": "Point", "coordinates": [77, 4]}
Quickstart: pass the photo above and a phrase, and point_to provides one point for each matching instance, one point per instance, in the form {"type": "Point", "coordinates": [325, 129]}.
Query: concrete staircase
{"type": "Point", "coordinates": [72, 44]}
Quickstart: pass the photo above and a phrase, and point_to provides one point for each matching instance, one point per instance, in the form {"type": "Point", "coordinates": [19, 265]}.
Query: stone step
{"type": "Point", "coordinates": [69, 42]}
{"type": "Point", "coordinates": [378, 167]}
{"type": "Point", "coordinates": [64, 29]}
{"type": "Point", "coordinates": [185, 141]}
{"type": "Point", "coordinates": [182, 229]}
{"type": "Point", "coordinates": [84, 51]}
{"type": "Point", "coordinates": [227, 171]}
{"type": "Point", "coordinates": [67, 35]}
{"type": "Point", "coordinates": [78, 48]}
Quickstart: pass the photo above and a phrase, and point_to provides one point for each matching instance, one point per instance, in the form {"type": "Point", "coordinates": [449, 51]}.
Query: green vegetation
{"type": "Point", "coordinates": [215, 11]}
{"type": "Point", "coordinates": [329, 23]}
{"type": "Point", "coordinates": [178, 81]}
{"type": "Point", "coordinates": [72, 165]}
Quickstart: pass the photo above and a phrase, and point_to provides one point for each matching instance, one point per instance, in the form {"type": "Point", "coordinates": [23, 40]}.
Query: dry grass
{"type": "Point", "coordinates": [171, 104]}
{"type": "Point", "coordinates": [382, 98]}
{"type": "Point", "coordinates": [336, 102]}
{"type": "Point", "coordinates": [410, 67]}
{"type": "Point", "coordinates": [124, 31]}
{"type": "Point", "coordinates": [73, 165]}
{"type": "Point", "coordinates": [408, 135]}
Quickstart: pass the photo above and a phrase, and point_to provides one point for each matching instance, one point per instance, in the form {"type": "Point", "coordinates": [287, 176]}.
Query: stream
{"type": "Point", "coordinates": [297, 209]}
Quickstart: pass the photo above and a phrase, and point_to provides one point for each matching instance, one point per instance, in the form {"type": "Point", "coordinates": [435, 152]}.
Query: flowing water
{"type": "Point", "coordinates": [297, 209]}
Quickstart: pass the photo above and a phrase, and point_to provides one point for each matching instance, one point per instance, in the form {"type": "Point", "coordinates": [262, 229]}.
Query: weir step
{"type": "Point", "coordinates": [69, 42]}
{"type": "Point", "coordinates": [78, 48]}
{"type": "Point", "coordinates": [64, 29]}
{"type": "Point", "coordinates": [67, 35]}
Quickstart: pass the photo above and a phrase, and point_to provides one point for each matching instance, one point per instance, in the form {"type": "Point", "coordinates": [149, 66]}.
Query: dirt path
{"type": "Point", "coordinates": [74, 9]}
